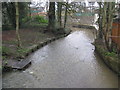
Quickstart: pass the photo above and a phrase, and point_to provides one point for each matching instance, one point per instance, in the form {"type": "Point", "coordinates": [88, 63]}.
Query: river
{"type": "Point", "coordinates": [69, 62]}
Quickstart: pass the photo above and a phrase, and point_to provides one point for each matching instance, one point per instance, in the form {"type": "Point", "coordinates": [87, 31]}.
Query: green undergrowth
{"type": "Point", "coordinates": [7, 52]}
{"type": "Point", "coordinates": [34, 22]}
{"type": "Point", "coordinates": [40, 19]}
{"type": "Point", "coordinates": [110, 58]}
{"type": "Point", "coordinates": [105, 52]}
{"type": "Point", "coordinates": [21, 52]}
{"type": "Point", "coordinates": [111, 54]}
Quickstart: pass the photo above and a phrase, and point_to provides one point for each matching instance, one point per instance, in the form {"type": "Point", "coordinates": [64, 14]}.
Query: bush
{"type": "Point", "coordinates": [34, 22]}
{"type": "Point", "coordinates": [112, 54]}
{"type": "Point", "coordinates": [26, 19]}
{"type": "Point", "coordinates": [41, 19]}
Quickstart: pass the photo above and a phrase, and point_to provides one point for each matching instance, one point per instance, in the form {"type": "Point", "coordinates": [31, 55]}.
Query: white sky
{"type": "Point", "coordinates": [34, 2]}
{"type": "Point", "coordinates": [86, 1]}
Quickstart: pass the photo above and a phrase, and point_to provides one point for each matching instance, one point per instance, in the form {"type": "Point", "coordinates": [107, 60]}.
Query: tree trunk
{"type": "Point", "coordinates": [100, 35]}
{"type": "Point", "coordinates": [59, 14]}
{"type": "Point", "coordinates": [66, 11]}
{"type": "Point", "coordinates": [119, 11]}
{"type": "Point", "coordinates": [108, 11]}
{"type": "Point", "coordinates": [51, 15]}
{"type": "Point", "coordinates": [17, 25]}
{"type": "Point", "coordinates": [111, 12]}
{"type": "Point", "coordinates": [29, 9]}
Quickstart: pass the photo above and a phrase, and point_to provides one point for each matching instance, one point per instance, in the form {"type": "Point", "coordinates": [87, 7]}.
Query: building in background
{"type": "Point", "coordinates": [39, 8]}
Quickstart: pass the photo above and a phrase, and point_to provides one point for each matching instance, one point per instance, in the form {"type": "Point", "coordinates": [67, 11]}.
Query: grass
{"type": "Point", "coordinates": [21, 51]}
{"type": "Point", "coordinates": [34, 22]}
{"type": "Point", "coordinates": [112, 54]}
{"type": "Point", "coordinates": [105, 52]}
{"type": "Point", "coordinates": [5, 50]}
{"type": "Point", "coordinates": [40, 19]}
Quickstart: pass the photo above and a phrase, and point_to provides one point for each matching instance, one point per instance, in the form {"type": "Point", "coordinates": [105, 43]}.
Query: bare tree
{"type": "Point", "coordinates": [17, 24]}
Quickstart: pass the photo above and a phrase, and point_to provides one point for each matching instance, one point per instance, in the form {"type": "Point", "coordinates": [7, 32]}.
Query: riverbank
{"type": "Point", "coordinates": [32, 39]}
{"type": "Point", "coordinates": [111, 59]}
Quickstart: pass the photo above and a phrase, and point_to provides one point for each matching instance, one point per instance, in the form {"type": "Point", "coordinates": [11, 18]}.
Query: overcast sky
{"type": "Point", "coordinates": [34, 2]}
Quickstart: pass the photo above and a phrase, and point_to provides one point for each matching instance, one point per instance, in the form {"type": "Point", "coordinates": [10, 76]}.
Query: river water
{"type": "Point", "coordinates": [69, 62]}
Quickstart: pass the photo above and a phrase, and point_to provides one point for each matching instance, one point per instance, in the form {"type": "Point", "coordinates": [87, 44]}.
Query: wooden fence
{"type": "Point", "coordinates": [116, 33]}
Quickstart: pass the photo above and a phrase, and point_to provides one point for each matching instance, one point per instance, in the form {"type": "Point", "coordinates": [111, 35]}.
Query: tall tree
{"type": "Point", "coordinates": [9, 13]}
{"type": "Point", "coordinates": [66, 12]}
{"type": "Point", "coordinates": [111, 11]}
{"type": "Point", "coordinates": [59, 4]}
{"type": "Point", "coordinates": [17, 24]}
{"type": "Point", "coordinates": [107, 20]}
{"type": "Point", "coordinates": [51, 15]}
{"type": "Point", "coordinates": [29, 8]}
{"type": "Point", "coordinates": [100, 35]}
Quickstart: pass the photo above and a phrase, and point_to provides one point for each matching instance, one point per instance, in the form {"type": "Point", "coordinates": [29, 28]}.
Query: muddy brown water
{"type": "Point", "coordinates": [69, 62]}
